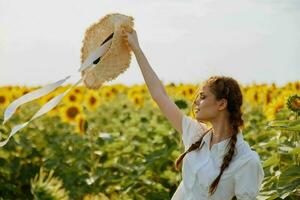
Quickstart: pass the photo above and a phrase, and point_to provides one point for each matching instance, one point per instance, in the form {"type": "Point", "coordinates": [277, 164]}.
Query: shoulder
{"type": "Point", "coordinates": [191, 130]}
{"type": "Point", "coordinates": [250, 163]}
{"type": "Point", "coordinates": [248, 178]}
{"type": "Point", "coordinates": [254, 160]}
{"type": "Point", "coordinates": [244, 158]}
{"type": "Point", "coordinates": [190, 122]}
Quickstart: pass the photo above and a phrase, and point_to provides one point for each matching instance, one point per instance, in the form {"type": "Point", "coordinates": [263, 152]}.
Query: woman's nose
{"type": "Point", "coordinates": [197, 102]}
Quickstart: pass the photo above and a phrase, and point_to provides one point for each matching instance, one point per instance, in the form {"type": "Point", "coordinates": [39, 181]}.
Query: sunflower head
{"type": "Point", "coordinates": [99, 196]}
{"type": "Point", "coordinates": [71, 112]}
{"type": "Point", "coordinates": [137, 100]}
{"type": "Point", "coordinates": [45, 186]}
{"type": "Point", "coordinates": [92, 100]}
{"type": "Point", "coordinates": [5, 98]}
{"type": "Point", "coordinates": [81, 125]}
{"type": "Point", "coordinates": [293, 103]}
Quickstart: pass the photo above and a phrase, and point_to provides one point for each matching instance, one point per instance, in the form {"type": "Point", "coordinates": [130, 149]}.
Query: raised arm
{"type": "Point", "coordinates": [156, 88]}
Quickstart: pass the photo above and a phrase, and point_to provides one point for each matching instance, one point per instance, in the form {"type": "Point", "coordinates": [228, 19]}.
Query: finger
{"type": "Point", "coordinates": [123, 32]}
{"type": "Point", "coordinates": [125, 36]}
{"type": "Point", "coordinates": [130, 30]}
{"type": "Point", "coordinates": [124, 29]}
{"type": "Point", "coordinates": [127, 28]}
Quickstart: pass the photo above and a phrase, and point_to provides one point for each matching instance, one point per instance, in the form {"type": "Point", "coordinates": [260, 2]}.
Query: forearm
{"type": "Point", "coordinates": [152, 81]}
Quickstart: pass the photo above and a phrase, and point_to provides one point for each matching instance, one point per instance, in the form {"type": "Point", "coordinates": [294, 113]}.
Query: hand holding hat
{"type": "Point", "coordinates": [131, 38]}
{"type": "Point", "coordinates": [90, 78]}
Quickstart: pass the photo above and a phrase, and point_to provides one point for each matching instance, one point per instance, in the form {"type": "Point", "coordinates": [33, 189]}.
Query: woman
{"type": "Point", "coordinates": [217, 162]}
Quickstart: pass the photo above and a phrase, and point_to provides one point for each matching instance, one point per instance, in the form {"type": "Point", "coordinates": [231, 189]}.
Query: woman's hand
{"type": "Point", "coordinates": [131, 38]}
{"type": "Point", "coordinates": [90, 78]}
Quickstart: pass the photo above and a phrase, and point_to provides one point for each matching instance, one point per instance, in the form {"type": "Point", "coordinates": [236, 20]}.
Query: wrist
{"type": "Point", "coordinates": [136, 49]}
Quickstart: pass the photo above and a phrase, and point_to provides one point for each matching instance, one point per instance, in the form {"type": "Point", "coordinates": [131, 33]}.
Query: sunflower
{"type": "Point", "coordinates": [46, 186]}
{"type": "Point", "coordinates": [92, 100]}
{"type": "Point", "coordinates": [142, 89]}
{"type": "Point", "coordinates": [73, 97]}
{"type": "Point", "coordinates": [255, 95]}
{"type": "Point", "coordinates": [268, 96]}
{"type": "Point", "coordinates": [293, 86]}
{"type": "Point", "coordinates": [114, 90]}
{"type": "Point", "coordinates": [80, 125]}
{"type": "Point", "coordinates": [5, 98]}
{"type": "Point", "coordinates": [15, 92]}
{"type": "Point", "coordinates": [190, 90]}
{"type": "Point", "coordinates": [297, 86]}
{"type": "Point", "coordinates": [8, 87]}
{"type": "Point", "coordinates": [71, 112]}
{"type": "Point", "coordinates": [273, 108]}
{"type": "Point", "coordinates": [107, 93]}
{"type": "Point", "coordinates": [293, 103]}
{"type": "Point", "coordinates": [79, 90]}
{"type": "Point", "coordinates": [99, 196]}
{"type": "Point", "coordinates": [137, 100]}
{"type": "Point", "coordinates": [120, 88]}
{"type": "Point", "coordinates": [171, 89]}
{"type": "Point", "coordinates": [132, 91]}
{"type": "Point", "coordinates": [186, 91]}
{"type": "Point", "coordinates": [8, 95]}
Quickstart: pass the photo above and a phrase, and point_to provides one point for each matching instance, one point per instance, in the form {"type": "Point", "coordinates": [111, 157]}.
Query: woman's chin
{"type": "Point", "coordinates": [200, 117]}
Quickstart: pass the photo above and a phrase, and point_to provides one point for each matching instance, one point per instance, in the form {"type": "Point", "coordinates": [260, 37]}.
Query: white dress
{"type": "Point", "coordinates": [242, 178]}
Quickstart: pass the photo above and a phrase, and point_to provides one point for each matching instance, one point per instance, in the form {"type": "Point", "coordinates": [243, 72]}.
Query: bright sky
{"type": "Point", "coordinates": [254, 41]}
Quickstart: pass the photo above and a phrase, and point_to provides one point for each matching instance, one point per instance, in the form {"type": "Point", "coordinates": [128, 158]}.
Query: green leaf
{"type": "Point", "coordinates": [273, 160]}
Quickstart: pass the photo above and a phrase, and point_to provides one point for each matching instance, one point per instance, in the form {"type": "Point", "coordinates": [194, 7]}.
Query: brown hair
{"type": "Point", "coordinates": [228, 88]}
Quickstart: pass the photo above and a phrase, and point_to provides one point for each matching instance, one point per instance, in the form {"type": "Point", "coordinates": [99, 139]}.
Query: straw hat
{"type": "Point", "coordinates": [118, 56]}
{"type": "Point", "coordinates": [104, 55]}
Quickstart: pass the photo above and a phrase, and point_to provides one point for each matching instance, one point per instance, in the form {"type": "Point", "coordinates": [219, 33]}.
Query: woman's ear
{"type": "Point", "coordinates": [222, 104]}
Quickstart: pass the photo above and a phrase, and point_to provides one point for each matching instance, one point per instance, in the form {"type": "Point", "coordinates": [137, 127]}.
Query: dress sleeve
{"type": "Point", "coordinates": [191, 130]}
{"type": "Point", "coordinates": [248, 180]}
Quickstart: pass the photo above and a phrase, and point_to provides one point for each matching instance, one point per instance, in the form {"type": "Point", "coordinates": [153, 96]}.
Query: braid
{"type": "Point", "coordinates": [226, 161]}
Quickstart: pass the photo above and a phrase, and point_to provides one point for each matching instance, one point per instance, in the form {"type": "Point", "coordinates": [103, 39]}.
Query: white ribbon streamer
{"type": "Point", "coordinates": [88, 63]}
{"type": "Point", "coordinates": [31, 96]}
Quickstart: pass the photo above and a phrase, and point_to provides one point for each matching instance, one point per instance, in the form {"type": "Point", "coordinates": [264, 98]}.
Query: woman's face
{"type": "Point", "coordinates": [206, 107]}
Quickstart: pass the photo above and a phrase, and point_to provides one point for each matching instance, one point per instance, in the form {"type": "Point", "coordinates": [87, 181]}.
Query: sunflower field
{"type": "Point", "coordinates": [115, 143]}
